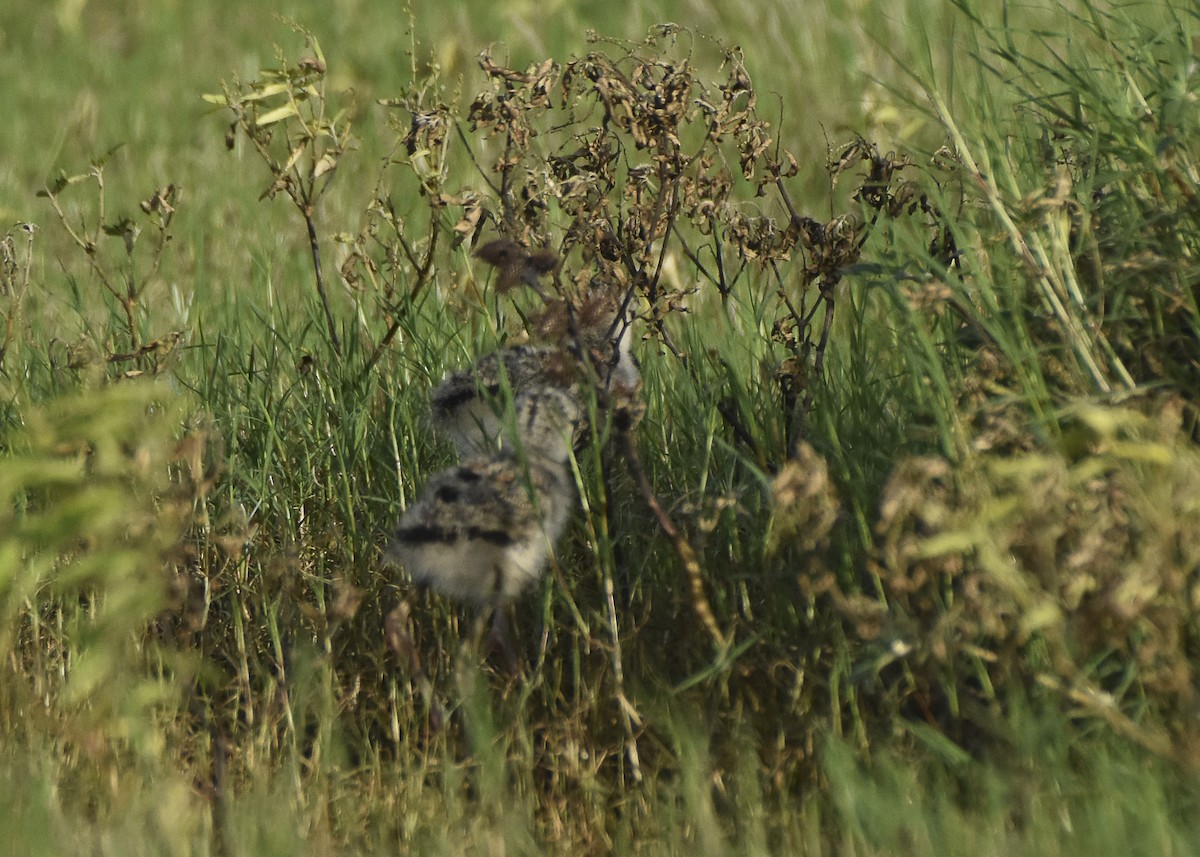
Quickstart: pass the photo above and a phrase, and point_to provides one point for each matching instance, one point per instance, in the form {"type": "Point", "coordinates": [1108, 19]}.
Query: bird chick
{"type": "Point", "coordinates": [468, 405]}
{"type": "Point", "coordinates": [483, 531]}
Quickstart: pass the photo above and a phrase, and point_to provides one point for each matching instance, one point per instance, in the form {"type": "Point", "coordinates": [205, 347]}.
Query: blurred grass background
{"type": "Point", "coordinates": [962, 612]}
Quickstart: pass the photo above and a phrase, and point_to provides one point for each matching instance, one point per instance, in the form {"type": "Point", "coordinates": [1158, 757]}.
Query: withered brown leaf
{"type": "Point", "coordinates": [515, 265]}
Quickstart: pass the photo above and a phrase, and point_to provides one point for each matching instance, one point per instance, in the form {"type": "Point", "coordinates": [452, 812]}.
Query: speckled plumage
{"type": "Point", "coordinates": [482, 531]}
{"type": "Point", "coordinates": [468, 406]}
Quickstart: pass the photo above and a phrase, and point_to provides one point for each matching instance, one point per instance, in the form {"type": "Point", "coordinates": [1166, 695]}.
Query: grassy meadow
{"type": "Point", "coordinates": [902, 558]}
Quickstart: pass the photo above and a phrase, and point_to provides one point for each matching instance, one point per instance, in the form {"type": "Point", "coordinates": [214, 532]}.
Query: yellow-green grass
{"type": "Point", "coordinates": [955, 574]}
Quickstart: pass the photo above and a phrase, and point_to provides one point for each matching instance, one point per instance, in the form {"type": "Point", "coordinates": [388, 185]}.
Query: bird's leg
{"type": "Point", "coordinates": [500, 638]}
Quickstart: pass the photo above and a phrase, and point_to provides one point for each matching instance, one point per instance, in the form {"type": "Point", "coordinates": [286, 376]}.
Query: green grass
{"type": "Point", "coordinates": [956, 569]}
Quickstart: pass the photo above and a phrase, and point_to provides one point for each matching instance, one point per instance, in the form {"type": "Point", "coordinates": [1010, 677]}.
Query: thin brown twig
{"type": "Point", "coordinates": [672, 211]}
{"type": "Point", "coordinates": [691, 256]}
{"type": "Point", "coordinates": [687, 555]}
{"type": "Point", "coordinates": [307, 211]}
{"type": "Point", "coordinates": [471, 154]}
{"type": "Point", "coordinates": [423, 271]}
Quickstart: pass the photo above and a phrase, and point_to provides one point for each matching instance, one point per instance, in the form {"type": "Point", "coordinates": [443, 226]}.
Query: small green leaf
{"type": "Point", "coordinates": [316, 47]}
{"type": "Point", "coordinates": [54, 187]}
{"type": "Point", "coordinates": [1146, 452]}
{"type": "Point", "coordinates": [276, 115]}
{"type": "Point", "coordinates": [61, 181]}
{"type": "Point", "coordinates": [1042, 615]}
{"type": "Point", "coordinates": [938, 742]}
{"type": "Point", "coordinates": [943, 544]}
{"type": "Point", "coordinates": [104, 159]}
{"type": "Point", "coordinates": [265, 91]}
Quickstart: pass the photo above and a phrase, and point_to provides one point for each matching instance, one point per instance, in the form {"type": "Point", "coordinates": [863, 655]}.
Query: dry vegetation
{"type": "Point", "coordinates": [912, 482]}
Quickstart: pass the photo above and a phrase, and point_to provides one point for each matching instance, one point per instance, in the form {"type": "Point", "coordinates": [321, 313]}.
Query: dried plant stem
{"type": "Point", "coordinates": [87, 244]}
{"type": "Point", "coordinates": [687, 555]}
{"type": "Point", "coordinates": [630, 719]}
{"type": "Point", "coordinates": [397, 634]}
{"type": "Point", "coordinates": [320, 275]}
{"type": "Point", "coordinates": [314, 145]}
{"type": "Point", "coordinates": [1084, 693]}
{"type": "Point", "coordinates": [423, 270]}
{"type": "Point", "coordinates": [483, 173]}
{"type": "Point", "coordinates": [15, 284]}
